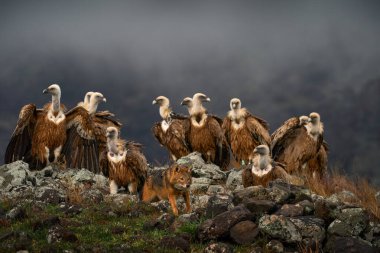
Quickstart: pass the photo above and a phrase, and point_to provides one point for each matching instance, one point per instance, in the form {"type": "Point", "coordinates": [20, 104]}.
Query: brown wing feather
{"type": "Point", "coordinates": [21, 140]}
{"type": "Point", "coordinates": [283, 129]}
{"type": "Point", "coordinates": [81, 148]}
{"type": "Point", "coordinates": [226, 126]}
{"type": "Point", "coordinates": [222, 152]}
{"type": "Point", "coordinates": [247, 177]}
{"type": "Point", "coordinates": [158, 133]}
{"type": "Point", "coordinates": [259, 132]}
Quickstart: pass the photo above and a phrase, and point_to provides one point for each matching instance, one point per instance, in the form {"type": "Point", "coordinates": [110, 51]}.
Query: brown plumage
{"type": "Point", "coordinates": [40, 133]}
{"type": "Point", "coordinates": [81, 149]}
{"type": "Point", "coordinates": [244, 132]}
{"type": "Point", "coordinates": [172, 131]}
{"type": "Point", "coordinates": [264, 170]}
{"type": "Point", "coordinates": [293, 145]}
{"type": "Point", "coordinates": [206, 134]}
{"type": "Point", "coordinates": [127, 164]}
{"type": "Point", "coordinates": [317, 166]}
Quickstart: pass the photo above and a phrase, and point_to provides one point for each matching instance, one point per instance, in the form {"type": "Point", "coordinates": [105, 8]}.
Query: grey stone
{"type": "Point", "coordinates": [200, 169]}
{"type": "Point", "coordinates": [14, 174]}
{"type": "Point", "coordinates": [220, 225]}
{"type": "Point", "coordinates": [218, 247]}
{"type": "Point", "coordinates": [84, 176]}
{"type": "Point", "coordinates": [310, 227]}
{"type": "Point", "coordinates": [253, 192]}
{"type": "Point", "coordinates": [274, 246]}
{"type": "Point", "coordinates": [348, 245]}
{"type": "Point", "coordinates": [308, 207]}
{"type": "Point", "coordinates": [290, 210]}
{"type": "Point", "coordinates": [216, 189]}
{"type": "Point", "coordinates": [218, 204]}
{"type": "Point", "coordinates": [259, 206]}
{"type": "Point", "coordinates": [244, 232]}
{"type": "Point", "coordinates": [16, 213]}
{"type": "Point", "coordinates": [280, 227]}
{"type": "Point", "coordinates": [49, 195]}
{"type": "Point", "coordinates": [349, 222]}
{"type": "Point", "coordinates": [234, 179]}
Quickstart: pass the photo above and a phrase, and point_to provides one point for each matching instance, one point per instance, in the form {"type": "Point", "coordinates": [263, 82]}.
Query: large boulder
{"type": "Point", "coordinates": [202, 169]}
{"type": "Point", "coordinates": [280, 227]}
{"type": "Point", "coordinates": [349, 222]}
{"type": "Point", "coordinates": [244, 232]}
{"type": "Point", "coordinates": [219, 227]}
{"type": "Point", "coordinates": [348, 245]}
{"type": "Point", "coordinates": [253, 192]}
{"type": "Point", "coordinates": [310, 227]}
{"type": "Point", "coordinates": [234, 180]}
{"type": "Point", "coordinates": [15, 174]}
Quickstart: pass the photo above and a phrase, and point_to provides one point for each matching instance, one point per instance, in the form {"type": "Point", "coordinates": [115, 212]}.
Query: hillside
{"type": "Point", "coordinates": [54, 211]}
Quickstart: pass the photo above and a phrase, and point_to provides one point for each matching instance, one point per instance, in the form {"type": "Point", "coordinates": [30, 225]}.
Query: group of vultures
{"type": "Point", "coordinates": [86, 138]}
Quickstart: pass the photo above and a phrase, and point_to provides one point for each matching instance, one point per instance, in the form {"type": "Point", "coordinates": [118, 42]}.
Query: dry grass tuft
{"type": "Point", "coordinates": [336, 182]}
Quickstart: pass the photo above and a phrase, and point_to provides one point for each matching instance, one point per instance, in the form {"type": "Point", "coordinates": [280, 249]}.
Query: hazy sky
{"type": "Point", "coordinates": [133, 51]}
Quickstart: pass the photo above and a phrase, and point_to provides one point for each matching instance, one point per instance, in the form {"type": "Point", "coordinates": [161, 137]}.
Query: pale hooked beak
{"type": "Point", "coordinates": [45, 91]}
{"type": "Point", "coordinates": [154, 102]}
{"type": "Point", "coordinates": [104, 100]}
{"type": "Point", "coordinates": [208, 99]}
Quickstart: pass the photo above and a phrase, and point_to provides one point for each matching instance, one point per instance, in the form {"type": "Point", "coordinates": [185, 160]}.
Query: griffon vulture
{"type": "Point", "coordinates": [206, 134]}
{"type": "Point", "coordinates": [127, 164]}
{"type": "Point", "coordinates": [263, 170]}
{"type": "Point", "coordinates": [172, 131]}
{"type": "Point", "coordinates": [244, 132]}
{"type": "Point", "coordinates": [86, 101]}
{"type": "Point", "coordinates": [81, 149]}
{"type": "Point", "coordinates": [40, 133]}
{"type": "Point", "coordinates": [294, 145]}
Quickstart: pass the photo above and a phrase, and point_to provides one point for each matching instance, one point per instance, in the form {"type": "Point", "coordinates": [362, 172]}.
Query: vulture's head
{"type": "Point", "coordinates": [188, 102]}
{"type": "Point", "coordinates": [314, 117]}
{"type": "Point", "coordinates": [161, 101]}
{"type": "Point", "coordinates": [87, 97]}
{"type": "Point", "coordinates": [53, 89]}
{"type": "Point", "coordinates": [262, 150]}
{"type": "Point", "coordinates": [97, 97]}
{"type": "Point", "coordinates": [304, 120]}
{"type": "Point", "coordinates": [235, 103]}
{"type": "Point", "coordinates": [111, 133]}
{"type": "Point", "coordinates": [200, 97]}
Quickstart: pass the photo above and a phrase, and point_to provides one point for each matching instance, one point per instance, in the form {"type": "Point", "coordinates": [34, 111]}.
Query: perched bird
{"type": "Point", "coordinates": [40, 133]}
{"type": "Point", "coordinates": [172, 131]}
{"type": "Point", "coordinates": [127, 164]}
{"type": "Point", "coordinates": [244, 132]}
{"type": "Point", "coordinates": [86, 101]}
{"type": "Point", "coordinates": [294, 145]}
{"type": "Point", "coordinates": [263, 170]}
{"type": "Point", "coordinates": [206, 134]}
{"type": "Point", "coordinates": [81, 149]}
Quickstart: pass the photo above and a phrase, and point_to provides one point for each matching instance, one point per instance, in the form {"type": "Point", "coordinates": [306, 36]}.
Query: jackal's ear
{"type": "Point", "coordinates": [176, 166]}
{"type": "Point", "coordinates": [189, 168]}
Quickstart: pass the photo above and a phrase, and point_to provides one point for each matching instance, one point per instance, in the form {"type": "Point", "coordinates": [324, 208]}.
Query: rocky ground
{"type": "Point", "coordinates": [71, 211]}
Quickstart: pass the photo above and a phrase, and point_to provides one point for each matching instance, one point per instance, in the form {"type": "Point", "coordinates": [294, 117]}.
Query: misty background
{"type": "Point", "coordinates": [282, 59]}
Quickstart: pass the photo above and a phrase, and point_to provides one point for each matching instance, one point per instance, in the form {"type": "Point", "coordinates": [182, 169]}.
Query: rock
{"type": "Point", "coordinates": [71, 210]}
{"type": "Point", "coordinates": [220, 225]}
{"type": "Point", "coordinates": [184, 219]}
{"type": "Point", "coordinates": [290, 210]}
{"type": "Point", "coordinates": [288, 192]}
{"type": "Point", "coordinates": [83, 176]}
{"type": "Point", "coordinates": [94, 196]}
{"type": "Point", "coordinates": [176, 243]}
{"type": "Point", "coordinates": [259, 207]}
{"type": "Point", "coordinates": [279, 195]}
{"type": "Point", "coordinates": [216, 189]}
{"type": "Point", "coordinates": [310, 227]}
{"type": "Point", "coordinates": [279, 227]}
{"type": "Point", "coordinates": [58, 233]}
{"type": "Point", "coordinates": [218, 204]}
{"type": "Point", "coordinates": [200, 185]}
{"type": "Point", "coordinates": [200, 201]}
{"type": "Point", "coordinates": [308, 207]}
{"type": "Point", "coordinates": [101, 181]}
{"type": "Point", "coordinates": [345, 197]}
{"type": "Point", "coordinates": [348, 245]}
{"type": "Point", "coordinates": [49, 195]}
{"type": "Point", "coordinates": [350, 222]}
{"type": "Point", "coordinates": [274, 246]}
{"type": "Point", "coordinates": [252, 192]}
{"type": "Point", "coordinates": [234, 179]}
{"type": "Point", "coordinates": [201, 169]}
{"type": "Point", "coordinates": [48, 171]}
{"type": "Point", "coordinates": [244, 232]}
{"type": "Point", "coordinates": [218, 247]}
{"type": "Point", "coordinates": [325, 210]}
{"type": "Point", "coordinates": [17, 213]}
{"type": "Point", "coordinates": [162, 222]}
{"type": "Point", "coordinates": [14, 174]}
